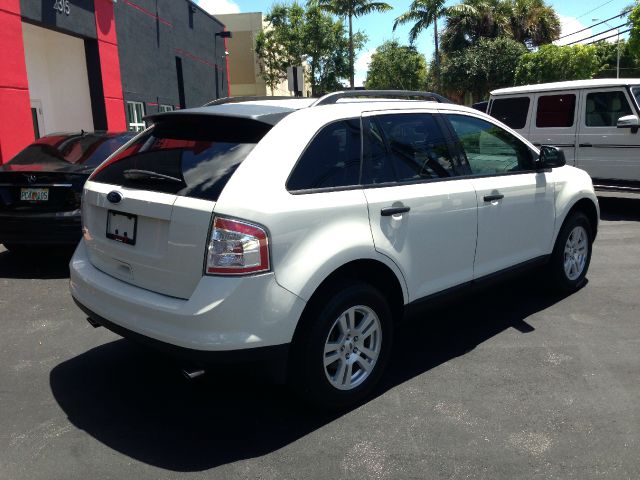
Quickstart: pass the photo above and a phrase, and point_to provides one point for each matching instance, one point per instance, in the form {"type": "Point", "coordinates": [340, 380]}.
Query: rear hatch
{"type": "Point", "coordinates": [147, 211]}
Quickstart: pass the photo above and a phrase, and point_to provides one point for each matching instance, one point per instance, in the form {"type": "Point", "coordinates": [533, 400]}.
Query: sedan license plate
{"type": "Point", "coordinates": [34, 194]}
{"type": "Point", "coordinates": [122, 227]}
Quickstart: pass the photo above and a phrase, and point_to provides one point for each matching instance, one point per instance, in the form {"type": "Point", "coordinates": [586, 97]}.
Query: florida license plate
{"type": "Point", "coordinates": [122, 227]}
{"type": "Point", "coordinates": [34, 194]}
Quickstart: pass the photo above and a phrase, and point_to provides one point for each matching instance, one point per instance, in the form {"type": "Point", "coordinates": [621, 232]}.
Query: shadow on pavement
{"type": "Point", "coordinates": [616, 209]}
{"type": "Point", "coordinates": [37, 262]}
{"type": "Point", "coordinates": [136, 403]}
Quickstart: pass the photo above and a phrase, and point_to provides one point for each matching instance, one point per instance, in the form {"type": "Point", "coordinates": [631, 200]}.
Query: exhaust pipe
{"type": "Point", "coordinates": [93, 323]}
{"type": "Point", "coordinates": [193, 373]}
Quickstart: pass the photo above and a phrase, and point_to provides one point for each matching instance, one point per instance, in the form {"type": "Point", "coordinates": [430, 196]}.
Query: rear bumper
{"type": "Point", "coordinates": [223, 314]}
{"type": "Point", "coordinates": [275, 355]}
{"type": "Point", "coordinates": [58, 228]}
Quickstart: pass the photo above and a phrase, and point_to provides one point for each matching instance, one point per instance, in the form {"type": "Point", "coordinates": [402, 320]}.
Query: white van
{"type": "Point", "coordinates": [595, 122]}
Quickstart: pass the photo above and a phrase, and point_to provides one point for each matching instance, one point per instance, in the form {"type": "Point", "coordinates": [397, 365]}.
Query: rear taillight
{"type": "Point", "coordinates": [237, 248]}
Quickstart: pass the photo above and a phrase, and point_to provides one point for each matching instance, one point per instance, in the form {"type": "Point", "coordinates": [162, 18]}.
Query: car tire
{"type": "Point", "coordinates": [342, 347]}
{"type": "Point", "coordinates": [571, 255]}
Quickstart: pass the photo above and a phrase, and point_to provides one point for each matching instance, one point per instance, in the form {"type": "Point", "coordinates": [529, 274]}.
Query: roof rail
{"type": "Point", "coordinates": [220, 101]}
{"type": "Point", "coordinates": [332, 98]}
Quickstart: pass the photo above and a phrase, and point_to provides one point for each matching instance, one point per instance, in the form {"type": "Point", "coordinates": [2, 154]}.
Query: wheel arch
{"type": "Point", "coordinates": [370, 271]}
{"type": "Point", "coordinates": [588, 207]}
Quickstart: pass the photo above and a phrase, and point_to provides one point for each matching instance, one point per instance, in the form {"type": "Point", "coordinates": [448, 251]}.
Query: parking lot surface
{"type": "Point", "coordinates": [511, 382]}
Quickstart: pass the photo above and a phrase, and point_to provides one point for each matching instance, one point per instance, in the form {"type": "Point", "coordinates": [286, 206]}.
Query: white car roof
{"type": "Point", "coordinates": [570, 85]}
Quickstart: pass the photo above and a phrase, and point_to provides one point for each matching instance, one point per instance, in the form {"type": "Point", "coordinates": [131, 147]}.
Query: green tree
{"type": "Point", "coordinates": [634, 34]}
{"type": "Point", "coordinates": [295, 35]}
{"type": "Point", "coordinates": [489, 64]}
{"type": "Point", "coordinates": [395, 66]}
{"type": "Point", "coordinates": [553, 63]}
{"type": "Point", "coordinates": [423, 14]}
{"type": "Point", "coordinates": [350, 9]}
{"type": "Point", "coordinates": [530, 22]}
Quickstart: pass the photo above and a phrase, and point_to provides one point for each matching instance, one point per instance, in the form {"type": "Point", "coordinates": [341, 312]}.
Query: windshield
{"type": "Point", "coordinates": [636, 95]}
{"type": "Point", "coordinates": [88, 150]}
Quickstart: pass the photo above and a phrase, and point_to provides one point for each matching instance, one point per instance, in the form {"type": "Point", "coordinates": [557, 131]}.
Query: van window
{"type": "Point", "coordinates": [511, 111]}
{"type": "Point", "coordinates": [603, 109]}
{"type": "Point", "coordinates": [556, 110]}
{"type": "Point", "coordinates": [332, 159]}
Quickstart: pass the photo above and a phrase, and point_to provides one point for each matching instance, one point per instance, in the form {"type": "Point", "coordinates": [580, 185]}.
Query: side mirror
{"type": "Point", "coordinates": [551, 157]}
{"type": "Point", "coordinates": [629, 121]}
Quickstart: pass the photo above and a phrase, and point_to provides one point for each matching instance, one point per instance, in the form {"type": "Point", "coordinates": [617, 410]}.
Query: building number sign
{"type": "Point", "coordinates": [62, 6]}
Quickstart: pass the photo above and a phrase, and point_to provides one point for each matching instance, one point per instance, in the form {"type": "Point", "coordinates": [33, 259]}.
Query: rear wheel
{"type": "Point", "coordinates": [343, 346]}
{"type": "Point", "coordinates": [572, 253]}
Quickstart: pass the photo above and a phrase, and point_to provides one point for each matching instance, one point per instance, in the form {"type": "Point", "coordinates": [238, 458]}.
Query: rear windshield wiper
{"type": "Point", "coordinates": [135, 174]}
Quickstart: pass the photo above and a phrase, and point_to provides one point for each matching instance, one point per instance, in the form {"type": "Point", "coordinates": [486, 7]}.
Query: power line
{"type": "Point", "coordinates": [597, 35]}
{"type": "Point", "coordinates": [594, 9]}
{"type": "Point", "coordinates": [606, 38]}
{"type": "Point", "coordinates": [594, 25]}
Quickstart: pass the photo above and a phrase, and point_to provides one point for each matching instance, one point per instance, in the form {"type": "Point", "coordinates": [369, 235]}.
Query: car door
{"type": "Point", "coordinates": [605, 151]}
{"type": "Point", "coordinates": [516, 212]}
{"type": "Point", "coordinates": [422, 212]}
{"type": "Point", "coordinates": [554, 121]}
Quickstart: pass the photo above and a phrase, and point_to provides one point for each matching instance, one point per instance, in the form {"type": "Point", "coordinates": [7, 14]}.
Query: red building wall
{"type": "Point", "coordinates": [16, 123]}
{"type": "Point", "coordinates": [110, 66]}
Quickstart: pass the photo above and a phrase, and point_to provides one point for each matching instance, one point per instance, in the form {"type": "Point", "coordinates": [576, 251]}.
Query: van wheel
{"type": "Point", "coordinates": [572, 253]}
{"type": "Point", "coordinates": [340, 353]}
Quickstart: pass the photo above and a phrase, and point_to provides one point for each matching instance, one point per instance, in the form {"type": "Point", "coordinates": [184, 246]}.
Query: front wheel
{"type": "Point", "coordinates": [343, 346]}
{"type": "Point", "coordinates": [572, 253]}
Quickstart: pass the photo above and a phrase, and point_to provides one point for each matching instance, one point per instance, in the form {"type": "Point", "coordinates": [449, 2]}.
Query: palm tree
{"type": "Point", "coordinates": [350, 9]}
{"type": "Point", "coordinates": [475, 19]}
{"type": "Point", "coordinates": [533, 22]}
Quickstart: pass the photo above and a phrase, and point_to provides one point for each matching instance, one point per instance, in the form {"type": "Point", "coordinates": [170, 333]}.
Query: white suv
{"type": "Point", "coordinates": [301, 230]}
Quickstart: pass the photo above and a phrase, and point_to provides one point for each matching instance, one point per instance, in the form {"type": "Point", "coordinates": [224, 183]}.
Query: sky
{"type": "Point", "coordinates": [574, 15]}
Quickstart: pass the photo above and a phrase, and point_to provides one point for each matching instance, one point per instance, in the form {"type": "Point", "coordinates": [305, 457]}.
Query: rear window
{"type": "Point", "coordinates": [190, 157]}
{"type": "Point", "coordinates": [88, 150]}
{"type": "Point", "coordinates": [511, 111]}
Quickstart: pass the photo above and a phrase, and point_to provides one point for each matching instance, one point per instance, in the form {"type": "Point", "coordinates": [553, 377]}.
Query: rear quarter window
{"type": "Point", "coordinates": [332, 159]}
{"type": "Point", "coordinates": [192, 158]}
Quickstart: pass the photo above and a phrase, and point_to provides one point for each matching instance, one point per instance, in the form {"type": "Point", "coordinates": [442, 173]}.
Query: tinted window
{"type": "Point", "coordinates": [555, 111]}
{"type": "Point", "coordinates": [88, 150]}
{"type": "Point", "coordinates": [191, 158]}
{"type": "Point", "coordinates": [603, 109]}
{"type": "Point", "coordinates": [489, 148]}
{"type": "Point", "coordinates": [332, 159]}
{"type": "Point", "coordinates": [405, 148]}
{"type": "Point", "coordinates": [511, 111]}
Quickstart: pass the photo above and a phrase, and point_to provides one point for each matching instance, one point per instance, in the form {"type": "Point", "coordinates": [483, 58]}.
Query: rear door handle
{"type": "Point", "coordinates": [388, 211]}
{"type": "Point", "coordinates": [491, 198]}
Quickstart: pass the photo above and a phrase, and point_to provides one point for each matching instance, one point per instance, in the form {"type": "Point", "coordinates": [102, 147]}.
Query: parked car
{"type": "Point", "coordinates": [481, 106]}
{"type": "Point", "coordinates": [301, 231]}
{"type": "Point", "coordinates": [41, 187]}
{"type": "Point", "coordinates": [594, 121]}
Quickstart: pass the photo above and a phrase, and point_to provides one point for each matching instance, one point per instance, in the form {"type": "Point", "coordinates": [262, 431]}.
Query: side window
{"type": "Point", "coordinates": [603, 109]}
{"type": "Point", "coordinates": [511, 111]}
{"type": "Point", "coordinates": [332, 159]}
{"type": "Point", "coordinates": [404, 148]}
{"type": "Point", "coordinates": [556, 111]}
{"type": "Point", "coordinates": [489, 148]}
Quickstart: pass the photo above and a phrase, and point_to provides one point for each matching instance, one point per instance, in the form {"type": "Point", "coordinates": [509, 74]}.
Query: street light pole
{"type": "Point", "coordinates": [222, 34]}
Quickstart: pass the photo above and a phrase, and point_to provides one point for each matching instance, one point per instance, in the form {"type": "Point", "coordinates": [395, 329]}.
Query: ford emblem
{"type": "Point", "coordinates": [114, 197]}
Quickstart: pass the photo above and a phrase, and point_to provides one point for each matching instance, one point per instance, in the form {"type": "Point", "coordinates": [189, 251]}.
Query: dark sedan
{"type": "Point", "coordinates": [41, 187]}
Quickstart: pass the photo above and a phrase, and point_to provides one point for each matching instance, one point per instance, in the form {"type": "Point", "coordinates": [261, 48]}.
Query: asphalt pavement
{"type": "Point", "coordinates": [512, 382]}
